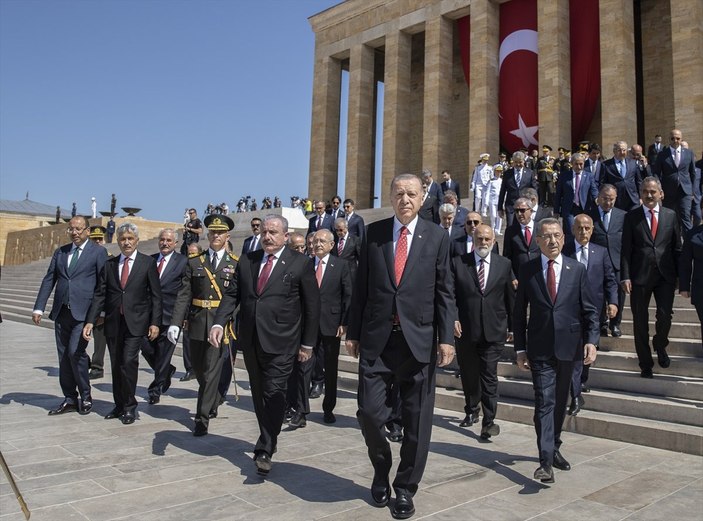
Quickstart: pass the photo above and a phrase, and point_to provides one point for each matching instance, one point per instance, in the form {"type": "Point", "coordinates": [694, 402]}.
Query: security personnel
{"type": "Point", "coordinates": [207, 277]}
{"type": "Point", "coordinates": [97, 363]}
{"type": "Point", "coordinates": [545, 175]}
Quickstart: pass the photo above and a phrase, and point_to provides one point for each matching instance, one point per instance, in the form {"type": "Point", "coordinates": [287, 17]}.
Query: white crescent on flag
{"type": "Point", "coordinates": [522, 40]}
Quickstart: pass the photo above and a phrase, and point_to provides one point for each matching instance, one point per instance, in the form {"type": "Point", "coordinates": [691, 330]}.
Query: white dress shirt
{"type": "Point", "coordinates": [396, 231]}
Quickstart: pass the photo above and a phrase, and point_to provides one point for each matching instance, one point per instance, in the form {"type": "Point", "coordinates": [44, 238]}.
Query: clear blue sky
{"type": "Point", "coordinates": [167, 103]}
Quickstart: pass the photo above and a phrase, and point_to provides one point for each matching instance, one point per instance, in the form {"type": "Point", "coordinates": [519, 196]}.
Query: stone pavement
{"type": "Point", "coordinates": [84, 467]}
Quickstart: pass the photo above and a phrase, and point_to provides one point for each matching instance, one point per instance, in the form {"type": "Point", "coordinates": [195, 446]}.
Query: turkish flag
{"type": "Point", "coordinates": [517, 98]}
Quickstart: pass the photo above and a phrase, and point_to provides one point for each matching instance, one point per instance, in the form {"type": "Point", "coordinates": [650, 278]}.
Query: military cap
{"type": "Point", "coordinates": [546, 147]}
{"type": "Point", "coordinates": [218, 223]}
{"type": "Point", "coordinates": [498, 166]}
{"type": "Point", "coordinates": [484, 156]}
{"type": "Point", "coordinates": [97, 232]}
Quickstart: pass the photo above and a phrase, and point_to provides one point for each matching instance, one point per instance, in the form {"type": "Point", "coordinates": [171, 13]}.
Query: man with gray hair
{"type": "Point", "coordinates": [514, 180]}
{"type": "Point", "coordinates": [433, 188]}
{"type": "Point", "coordinates": [129, 293]}
{"type": "Point", "coordinates": [447, 212]}
{"type": "Point", "coordinates": [624, 174]}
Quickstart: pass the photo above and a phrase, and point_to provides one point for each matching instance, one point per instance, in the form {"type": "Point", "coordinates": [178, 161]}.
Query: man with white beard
{"type": "Point", "coordinates": [483, 285]}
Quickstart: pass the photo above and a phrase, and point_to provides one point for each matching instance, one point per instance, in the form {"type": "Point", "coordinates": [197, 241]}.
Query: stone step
{"type": "Point", "coordinates": [677, 346]}
{"type": "Point", "coordinates": [647, 432]}
{"type": "Point", "coordinates": [681, 329]}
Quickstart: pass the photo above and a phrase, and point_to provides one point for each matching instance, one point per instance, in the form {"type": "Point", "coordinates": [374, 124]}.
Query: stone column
{"type": "Point", "coordinates": [687, 47]}
{"type": "Point", "coordinates": [396, 110]}
{"type": "Point", "coordinates": [483, 90]}
{"type": "Point", "coordinates": [324, 138]}
{"type": "Point", "coordinates": [617, 58]}
{"type": "Point", "coordinates": [439, 33]}
{"type": "Point", "coordinates": [360, 150]}
{"type": "Point", "coordinates": [554, 84]}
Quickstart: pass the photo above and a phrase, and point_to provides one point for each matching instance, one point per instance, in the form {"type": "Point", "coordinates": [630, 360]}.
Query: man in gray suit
{"type": "Point", "coordinates": [74, 271]}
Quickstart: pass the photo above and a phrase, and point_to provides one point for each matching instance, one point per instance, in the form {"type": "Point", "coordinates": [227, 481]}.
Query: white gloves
{"type": "Point", "coordinates": [173, 333]}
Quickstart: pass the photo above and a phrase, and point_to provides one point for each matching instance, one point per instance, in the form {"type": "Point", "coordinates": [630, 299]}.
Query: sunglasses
{"type": "Point", "coordinates": [475, 223]}
{"type": "Point", "coordinates": [523, 210]}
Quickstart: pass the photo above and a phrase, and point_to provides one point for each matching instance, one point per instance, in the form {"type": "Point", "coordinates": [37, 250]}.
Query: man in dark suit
{"type": "Point", "coordinates": [433, 188]}
{"type": "Point", "coordinates": [624, 174]}
{"type": "Point", "coordinates": [450, 184]}
{"type": "Point", "coordinates": [74, 271]}
{"type": "Point", "coordinates": [654, 149]}
{"type": "Point", "coordinates": [158, 352]}
{"type": "Point", "coordinates": [279, 308]}
{"type": "Point", "coordinates": [355, 223]}
{"type": "Point", "coordinates": [321, 220]}
{"type": "Point", "coordinates": [335, 282]}
{"type": "Point", "coordinates": [676, 170]}
{"type": "Point", "coordinates": [460, 212]}
{"type": "Point", "coordinates": [346, 245]}
{"type": "Point", "coordinates": [519, 244]}
{"type": "Point", "coordinates": [594, 162]}
{"type": "Point", "coordinates": [336, 210]}
{"type": "Point", "coordinates": [562, 328]}
{"type": "Point", "coordinates": [464, 242]}
{"type": "Point", "coordinates": [608, 222]}
{"type": "Point", "coordinates": [514, 179]}
{"type": "Point", "coordinates": [129, 293]}
{"type": "Point", "coordinates": [206, 278]}
{"type": "Point", "coordinates": [483, 285]}
{"type": "Point", "coordinates": [651, 245]}
{"type": "Point", "coordinates": [539, 212]}
{"type": "Point", "coordinates": [429, 208]}
{"type": "Point", "coordinates": [603, 286]}
{"type": "Point", "coordinates": [403, 301]}
{"type": "Point", "coordinates": [253, 242]}
{"type": "Point", "coordinates": [576, 193]}
{"type": "Point", "coordinates": [691, 270]}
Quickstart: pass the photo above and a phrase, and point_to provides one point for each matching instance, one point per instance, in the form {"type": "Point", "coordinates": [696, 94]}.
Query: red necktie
{"type": "Point", "coordinates": [528, 236]}
{"type": "Point", "coordinates": [340, 246]}
{"type": "Point", "coordinates": [318, 273]}
{"type": "Point", "coordinates": [265, 273]}
{"type": "Point", "coordinates": [401, 254]}
{"type": "Point", "coordinates": [125, 272]}
{"type": "Point", "coordinates": [551, 281]}
{"type": "Point", "coordinates": [655, 224]}
{"type": "Point", "coordinates": [161, 265]}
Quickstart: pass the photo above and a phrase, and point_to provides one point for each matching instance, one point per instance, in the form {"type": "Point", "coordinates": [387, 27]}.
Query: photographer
{"type": "Point", "coordinates": [191, 230]}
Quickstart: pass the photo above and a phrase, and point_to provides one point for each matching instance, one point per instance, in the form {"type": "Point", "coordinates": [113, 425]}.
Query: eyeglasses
{"type": "Point", "coordinates": [347, 206]}
{"type": "Point", "coordinates": [552, 236]}
{"type": "Point", "coordinates": [76, 230]}
{"type": "Point", "coordinates": [523, 210]}
{"type": "Point", "coordinates": [475, 223]}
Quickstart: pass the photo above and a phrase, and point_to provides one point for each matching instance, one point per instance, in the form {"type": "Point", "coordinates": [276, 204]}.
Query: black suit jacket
{"type": "Point", "coordinates": [612, 239]}
{"type": "Point", "coordinates": [558, 329]}
{"type": "Point", "coordinates": [643, 256]}
{"type": "Point", "coordinates": [171, 279]}
{"type": "Point", "coordinates": [510, 191]}
{"type": "Point", "coordinates": [335, 296]}
{"type": "Point", "coordinates": [327, 223]}
{"type": "Point", "coordinates": [285, 315]}
{"type": "Point", "coordinates": [455, 188]}
{"type": "Point", "coordinates": [424, 299]}
{"type": "Point", "coordinates": [458, 245]}
{"type": "Point", "coordinates": [247, 244]}
{"type": "Point", "coordinates": [351, 250]}
{"type": "Point", "coordinates": [488, 313]}
{"type": "Point", "coordinates": [652, 153]}
{"type": "Point", "coordinates": [430, 209]}
{"type": "Point", "coordinates": [628, 188]}
{"type": "Point", "coordinates": [516, 249]}
{"type": "Point", "coordinates": [436, 190]}
{"type": "Point", "coordinates": [588, 165]}
{"type": "Point", "coordinates": [566, 190]}
{"type": "Point", "coordinates": [602, 282]}
{"type": "Point", "coordinates": [691, 266]}
{"type": "Point", "coordinates": [140, 300]}
{"type": "Point", "coordinates": [355, 225]}
{"type": "Point", "coordinates": [673, 177]}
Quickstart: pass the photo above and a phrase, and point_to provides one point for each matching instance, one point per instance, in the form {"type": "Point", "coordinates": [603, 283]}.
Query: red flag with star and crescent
{"type": "Point", "coordinates": [517, 98]}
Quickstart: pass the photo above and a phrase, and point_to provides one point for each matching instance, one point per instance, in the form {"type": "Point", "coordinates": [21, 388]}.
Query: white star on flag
{"type": "Point", "coordinates": [525, 133]}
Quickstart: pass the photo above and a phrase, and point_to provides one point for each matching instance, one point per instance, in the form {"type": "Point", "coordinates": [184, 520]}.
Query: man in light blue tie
{"type": "Point", "coordinates": [625, 175]}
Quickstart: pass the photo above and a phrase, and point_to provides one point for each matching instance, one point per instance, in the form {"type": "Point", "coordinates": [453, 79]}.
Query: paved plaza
{"type": "Point", "coordinates": [74, 467]}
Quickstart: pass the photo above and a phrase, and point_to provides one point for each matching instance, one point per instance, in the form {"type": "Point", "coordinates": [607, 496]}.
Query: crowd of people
{"type": "Point", "coordinates": [403, 294]}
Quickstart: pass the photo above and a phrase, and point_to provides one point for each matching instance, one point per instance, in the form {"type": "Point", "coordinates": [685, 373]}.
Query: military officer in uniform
{"type": "Point", "coordinates": [97, 363]}
{"type": "Point", "coordinates": [207, 277]}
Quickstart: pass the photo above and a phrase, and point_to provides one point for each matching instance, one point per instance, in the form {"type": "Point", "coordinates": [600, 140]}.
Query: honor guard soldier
{"type": "Point", "coordinates": [207, 277]}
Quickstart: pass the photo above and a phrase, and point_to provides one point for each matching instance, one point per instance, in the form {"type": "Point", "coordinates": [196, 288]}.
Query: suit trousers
{"type": "Point", "coordinates": [298, 392]}
{"type": "Point", "coordinates": [393, 402]}
{"type": "Point", "coordinates": [99, 346]}
{"type": "Point", "coordinates": [478, 364]}
{"type": "Point", "coordinates": [158, 354]}
{"type": "Point", "coordinates": [579, 377]}
{"type": "Point", "coordinates": [639, 303]}
{"type": "Point", "coordinates": [699, 310]}
{"type": "Point", "coordinates": [124, 362]}
{"type": "Point", "coordinates": [74, 362]}
{"type": "Point", "coordinates": [328, 360]}
{"type": "Point", "coordinates": [617, 319]}
{"type": "Point", "coordinates": [509, 215]}
{"type": "Point", "coordinates": [268, 378]}
{"type": "Point", "coordinates": [187, 364]}
{"type": "Point", "coordinates": [551, 380]}
{"type": "Point", "coordinates": [416, 383]}
{"type": "Point", "coordinates": [681, 204]}
{"type": "Point", "coordinates": [226, 374]}
{"type": "Point", "coordinates": [207, 365]}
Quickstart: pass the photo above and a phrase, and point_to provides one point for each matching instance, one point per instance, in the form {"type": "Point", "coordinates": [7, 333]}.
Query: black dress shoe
{"type": "Point", "coordinates": [200, 429]}
{"type": "Point", "coordinates": [403, 507]}
{"type": "Point", "coordinates": [544, 474]}
{"type": "Point", "coordinates": [96, 374]}
{"type": "Point", "coordinates": [646, 373]}
{"type": "Point", "coordinates": [212, 414]}
{"type": "Point", "coordinates": [316, 391]}
{"type": "Point", "coordinates": [380, 491]}
{"type": "Point", "coordinates": [560, 462]}
{"type": "Point", "coordinates": [85, 406]}
{"type": "Point", "coordinates": [487, 431]}
{"type": "Point", "coordinates": [188, 376]}
{"type": "Point", "coordinates": [604, 331]}
{"type": "Point", "coordinates": [114, 413]}
{"type": "Point", "coordinates": [615, 331]}
{"type": "Point", "coordinates": [288, 415]}
{"type": "Point", "coordinates": [128, 418]}
{"type": "Point", "coordinates": [167, 384]}
{"type": "Point", "coordinates": [575, 407]}
{"type": "Point", "coordinates": [65, 406]}
{"type": "Point", "coordinates": [298, 420]}
{"type": "Point", "coordinates": [395, 435]}
{"type": "Point", "coordinates": [585, 388]}
{"type": "Point", "coordinates": [663, 358]}
{"type": "Point", "coordinates": [469, 420]}
{"type": "Point", "coordinates": [329, 417]}
{"type": "Point", "coordinates": [154, 399]}
{"type": "Point", "coordinates": [263, 463]}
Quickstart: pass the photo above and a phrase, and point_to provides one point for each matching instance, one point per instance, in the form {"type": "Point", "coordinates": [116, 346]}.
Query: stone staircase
{"type": "Point", "coordinates": [665, 412]}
